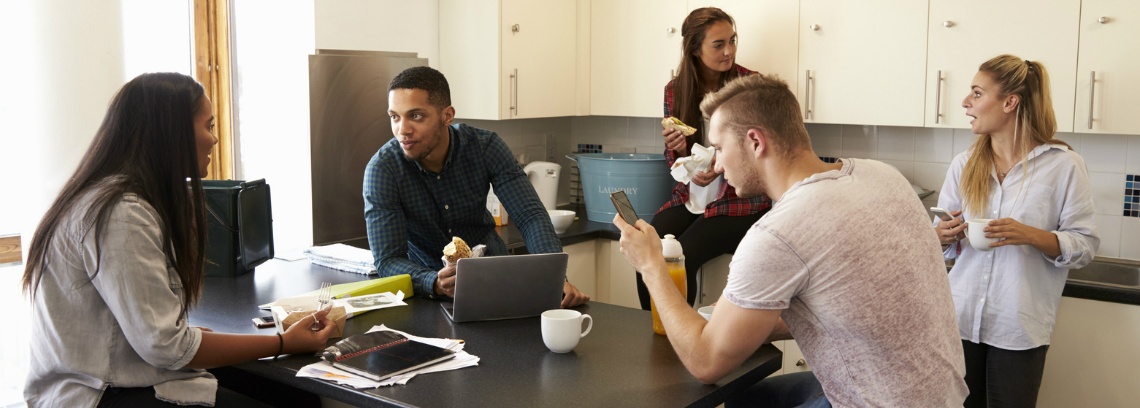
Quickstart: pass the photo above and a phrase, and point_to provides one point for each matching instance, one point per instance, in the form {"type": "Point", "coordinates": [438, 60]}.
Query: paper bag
{"type": "Point", "coordinates": [337, 315]}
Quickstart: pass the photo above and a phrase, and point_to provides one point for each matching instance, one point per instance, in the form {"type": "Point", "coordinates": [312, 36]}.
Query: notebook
{"type": "Point", "coordinates": [507, 287]}
{"type": "Point", "coordinates": [382, 354]}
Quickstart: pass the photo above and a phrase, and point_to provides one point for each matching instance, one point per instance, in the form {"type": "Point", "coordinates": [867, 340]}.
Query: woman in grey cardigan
{"type": "Point", "coordinates": [116, 264]}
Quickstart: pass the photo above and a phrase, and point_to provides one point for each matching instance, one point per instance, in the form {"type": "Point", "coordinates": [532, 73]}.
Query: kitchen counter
{"type": "Point", "coordinates": [1106, 280]}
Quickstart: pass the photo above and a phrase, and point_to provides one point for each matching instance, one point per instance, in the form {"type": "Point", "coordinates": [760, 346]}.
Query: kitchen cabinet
{"type": "Point", "coordinates": [965, 33]}
{"type": "Point", "coordinates": [509, 59]}
{"type": "Point", "coordinates": [635, 47]}
{"type": "Point", "coordinates": [1093, 360]}
{"type": "Point", "coordinates": [1108, 68]}
{"type": "Point", "coordinates": [581, 268]}
{"type": "Point", "coordinates": [862, 62]}
{"type": "Point", "coordinates": [767, 33]}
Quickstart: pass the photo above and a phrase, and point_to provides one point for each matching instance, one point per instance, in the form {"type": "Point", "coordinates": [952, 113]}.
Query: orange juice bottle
{"type": "Point", "coordinates": [675, 261]}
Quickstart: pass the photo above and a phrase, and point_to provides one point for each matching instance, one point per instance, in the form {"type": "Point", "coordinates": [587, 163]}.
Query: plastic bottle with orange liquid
{"type": "Point", "coordinates": [675, 262]}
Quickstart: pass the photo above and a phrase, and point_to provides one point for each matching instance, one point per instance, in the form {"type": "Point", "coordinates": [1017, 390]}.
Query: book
{"type": "Point", "coordinates": [382, 354]}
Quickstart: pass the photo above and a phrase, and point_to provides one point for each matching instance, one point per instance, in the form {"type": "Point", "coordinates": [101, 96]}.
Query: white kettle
{"type": "Point", "coordinates": [544, 177]}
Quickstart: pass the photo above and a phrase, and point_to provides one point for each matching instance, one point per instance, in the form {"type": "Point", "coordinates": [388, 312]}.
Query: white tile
{"type": "Point", "coordinates": [1104, 153]}
{"type": "Point", "coordinates": [613, 129]}
{"type": "Point", "coordinates": [905, 167]}
{"type": "Point", "coordinates": [1108, 192]}
{"type": "Point", "coordinates": [1129, 238]}
{"type": "Point", "coordinates": [826, 140]}
{"type": "Point", "coordinates": [896, 143]}
{"type": "Point", "coordinates": [859, 142]}
{"type": "Point", "coordinates": [1073, 139]}
{"type": "Point", "coordinates": [1108, 228]}
{"type": "Point", "coordinates": [651, 149]}
{"type": "Point", "coordinates": [1133, 155]}
{"type": "Point", "coordinates": [935, 145]}
{"type": "Point", "coordinates": [930, 175]}
{"type": "Point", "coordinates": [963, 139]}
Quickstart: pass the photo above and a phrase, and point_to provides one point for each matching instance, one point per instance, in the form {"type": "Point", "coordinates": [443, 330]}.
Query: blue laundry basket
{"type": "Point", "coordinates": [644, 178]}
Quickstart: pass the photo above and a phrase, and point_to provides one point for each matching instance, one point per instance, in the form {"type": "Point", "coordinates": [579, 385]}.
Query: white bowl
{"type": "Point", "coordinates": [706, 312]}
{"type": "Point", "coordinates": [561, 219]}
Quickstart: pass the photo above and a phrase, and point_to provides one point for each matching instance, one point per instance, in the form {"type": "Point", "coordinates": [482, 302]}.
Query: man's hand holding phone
{"type": "Point", "coordinates": [624, 207]}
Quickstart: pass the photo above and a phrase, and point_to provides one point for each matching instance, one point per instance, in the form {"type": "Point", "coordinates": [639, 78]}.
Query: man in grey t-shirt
{"type": "Point", "coordinates": [845, 256]}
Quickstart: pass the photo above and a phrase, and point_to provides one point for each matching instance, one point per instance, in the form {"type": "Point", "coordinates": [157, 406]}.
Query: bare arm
{"type": "Point", "coordinates": [223, 349]}
{"type": "Point", "coordinates": [709, 349]}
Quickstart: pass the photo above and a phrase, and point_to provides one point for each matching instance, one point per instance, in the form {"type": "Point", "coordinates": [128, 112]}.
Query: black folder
{"type": "Point", "coordinates": [382, 354]}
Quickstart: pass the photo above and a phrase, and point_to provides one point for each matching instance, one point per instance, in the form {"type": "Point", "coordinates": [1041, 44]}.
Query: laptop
{"type": "Point", "coordinates": [507, 287]}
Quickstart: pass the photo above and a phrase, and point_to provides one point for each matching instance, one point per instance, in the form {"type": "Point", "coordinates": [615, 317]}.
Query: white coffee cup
{"type": "Point", "coordinates": [562, 328]}
{"type": "Point", "coordinates": [977, 234]}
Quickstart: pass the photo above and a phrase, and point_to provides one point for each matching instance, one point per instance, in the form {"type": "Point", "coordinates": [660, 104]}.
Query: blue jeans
{"type": "Point", "coordinates": [799, 390]}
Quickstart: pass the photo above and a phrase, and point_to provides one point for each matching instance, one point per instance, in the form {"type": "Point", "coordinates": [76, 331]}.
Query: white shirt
{"type": "Point", "coordinates": [1008, 297]}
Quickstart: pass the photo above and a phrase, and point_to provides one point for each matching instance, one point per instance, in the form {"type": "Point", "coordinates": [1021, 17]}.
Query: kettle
{"type": "Point", "coordinates": [544, 177]}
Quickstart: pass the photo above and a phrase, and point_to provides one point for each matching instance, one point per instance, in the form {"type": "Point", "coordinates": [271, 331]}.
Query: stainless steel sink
{"type": "Point", "coordinates": [1109, 271]}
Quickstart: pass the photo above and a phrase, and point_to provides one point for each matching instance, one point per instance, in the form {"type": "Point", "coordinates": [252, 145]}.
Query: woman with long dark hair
{"type": "Point", "coordinates": [706, 228]}
{"type": "Point", "coordinates": [1034, 192]}
{"type": "Point", "coordinates": [116, 264]}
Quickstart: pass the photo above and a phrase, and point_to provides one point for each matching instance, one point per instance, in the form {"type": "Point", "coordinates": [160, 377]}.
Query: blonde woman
{"type": "Point", "coordinates": [1035, 190]}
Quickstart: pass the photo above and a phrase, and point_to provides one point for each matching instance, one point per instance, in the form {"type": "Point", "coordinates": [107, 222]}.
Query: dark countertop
{"type": "Point", "coordinates": [619, 363]}
{"type": "Point", "coordinates": [581, 230]}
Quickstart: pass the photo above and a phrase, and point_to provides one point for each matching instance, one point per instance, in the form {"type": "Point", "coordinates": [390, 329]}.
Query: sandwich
{"type": "Point", "coordinates": [456, 250]}
{"type": "Point", "coordinates": [675, 124]}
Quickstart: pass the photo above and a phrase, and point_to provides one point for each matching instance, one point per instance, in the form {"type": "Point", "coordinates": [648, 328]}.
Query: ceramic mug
{"type": "Point", "coordinates": [562, 328]}
{"type": "Point", "coordinates": [977, 234]}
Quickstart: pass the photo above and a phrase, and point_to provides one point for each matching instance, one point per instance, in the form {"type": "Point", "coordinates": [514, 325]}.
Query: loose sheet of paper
{"type": "Point", "coordinates": [326, 371]}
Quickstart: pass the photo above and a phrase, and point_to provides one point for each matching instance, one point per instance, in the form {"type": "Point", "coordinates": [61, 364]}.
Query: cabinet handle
{"type": "Point", "coordinates": [807, 96]}
{"type": "Point", "coordinates": [515, 28]}
{"type": "Point", "coordinates": [938, 99]}
{"type": "Point", "coordinates": [515, 92]}
{"type": "Point", "coordinates": [814, 27]}
{"type": "Point", "coordinates": [801, 362]}
{"type": "Point", "coordinates": [670, 30]}
{"type": "Point", "coordinates": [1092, 91]}
{"type": "Point", "coordinates": [947, 23]}
{"type": "Point", "coordinates": [1102, 20]}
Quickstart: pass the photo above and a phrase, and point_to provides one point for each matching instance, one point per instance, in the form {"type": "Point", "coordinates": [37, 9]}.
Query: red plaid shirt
{"type": "Point", "coordinates": [726, 203]}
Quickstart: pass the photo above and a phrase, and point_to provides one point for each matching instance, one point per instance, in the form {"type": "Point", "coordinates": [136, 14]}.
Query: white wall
{"type": "Point", "coordinates": [380, 25]}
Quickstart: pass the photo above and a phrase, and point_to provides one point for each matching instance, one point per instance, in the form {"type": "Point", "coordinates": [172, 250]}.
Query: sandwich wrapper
{"type": "Point", "coordinates": [476, 251]}
{"type": "Point", "coordinates": [685, 168]}
{"type": "Point", "coordinates": [288, 311]}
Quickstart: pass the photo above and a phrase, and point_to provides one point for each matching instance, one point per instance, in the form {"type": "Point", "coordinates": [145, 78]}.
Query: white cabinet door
{"type": "Point", "coordinates": [581, 268]}
{"type": "Point", "coordinates": [538, 46]}
{"type": "Point", "coordinates": [469, 56]}
{"type": "Point", "coordinates": [1108, 51]}
{"type": "Point", "coordinates": [966, 33]}
{"type": "Point", "coordinates": [635, 45]}
{"type": "Point", "coordinates": [767, 33]}
{"type": "Point", "coordinates": [866, 61]}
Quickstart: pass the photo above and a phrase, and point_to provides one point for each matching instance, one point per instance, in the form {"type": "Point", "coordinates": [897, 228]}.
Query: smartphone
{"type": "Point", "coordinates": [266, 321]}
{"type": "Point", "coordinates": [941, 213]}
{"type": "Point", "coordinates": [621, 202]}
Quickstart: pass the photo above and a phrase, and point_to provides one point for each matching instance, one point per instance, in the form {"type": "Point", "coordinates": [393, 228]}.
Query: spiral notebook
{"type": "Point", "coordinates": [382, 354]}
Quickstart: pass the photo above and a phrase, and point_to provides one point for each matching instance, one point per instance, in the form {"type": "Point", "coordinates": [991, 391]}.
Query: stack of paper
{"type": "Point", "coordinates": [343, 257]}
{"type": "Point", "coordinates": [326, 371]}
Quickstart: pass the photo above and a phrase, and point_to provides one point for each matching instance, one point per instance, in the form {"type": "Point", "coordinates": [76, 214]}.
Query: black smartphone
{"type": "Point", "coordinates": [266, 321]}
{"type": "Point", "coordinates": [621, 202]}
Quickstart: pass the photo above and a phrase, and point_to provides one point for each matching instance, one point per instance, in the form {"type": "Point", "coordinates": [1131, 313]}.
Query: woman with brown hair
{"type": "Point", "coordinates": [1034, 192]}
{"type": "Point", "coordinates": [706, 228]}
{"type": "Point", "coordinates": [116, 265]}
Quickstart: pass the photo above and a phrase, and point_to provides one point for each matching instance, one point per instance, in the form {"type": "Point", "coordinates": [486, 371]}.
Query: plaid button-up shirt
{"type": "Point", "coordinates": [412, 213]}
{"type": "Point", "coordinates": [726, 203]}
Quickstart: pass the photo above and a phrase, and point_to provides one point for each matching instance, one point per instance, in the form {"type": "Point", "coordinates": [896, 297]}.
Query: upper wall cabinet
{"type": "Point", "coordinates": [509, 59]}
{"type": "Point", "coordinates": [767, 32]}
{"type": "Point", "coordinates": [635, 45]}
{"type": "Point", "coordinates": [1108, 68]}
{"type": "Point", "coordinates": [966, 33]}
{"type": "Point", "coordinates": [862, 62]}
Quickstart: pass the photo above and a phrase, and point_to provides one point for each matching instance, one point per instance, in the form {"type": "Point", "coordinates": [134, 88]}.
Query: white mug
{"type": "Point", "coordinates": [562, 328]}
{"type": "Point", "coordinates": [977, 234]}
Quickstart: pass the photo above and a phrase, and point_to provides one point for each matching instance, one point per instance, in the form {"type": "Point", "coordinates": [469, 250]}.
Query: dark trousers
{"type": "Point", "coordinates": [144, 397]}
{"type": "Point", "coordinates": [702, 239]}
{"type": "Point", "coordinates": [235, 389]}
{"type": "Point", "coordinates": [1000, 378]}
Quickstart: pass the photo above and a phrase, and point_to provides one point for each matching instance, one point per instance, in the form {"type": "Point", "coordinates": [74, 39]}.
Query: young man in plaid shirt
{"type": "Point", "coordinates": [430, 183]}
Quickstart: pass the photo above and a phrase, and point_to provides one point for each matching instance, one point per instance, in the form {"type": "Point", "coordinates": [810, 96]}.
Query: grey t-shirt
{"type": "Point", "coordinates": [852, 257]}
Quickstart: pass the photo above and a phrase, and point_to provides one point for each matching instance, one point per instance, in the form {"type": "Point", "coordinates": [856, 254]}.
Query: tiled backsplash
{"type": "Point", "coordinates": [923, 156]}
